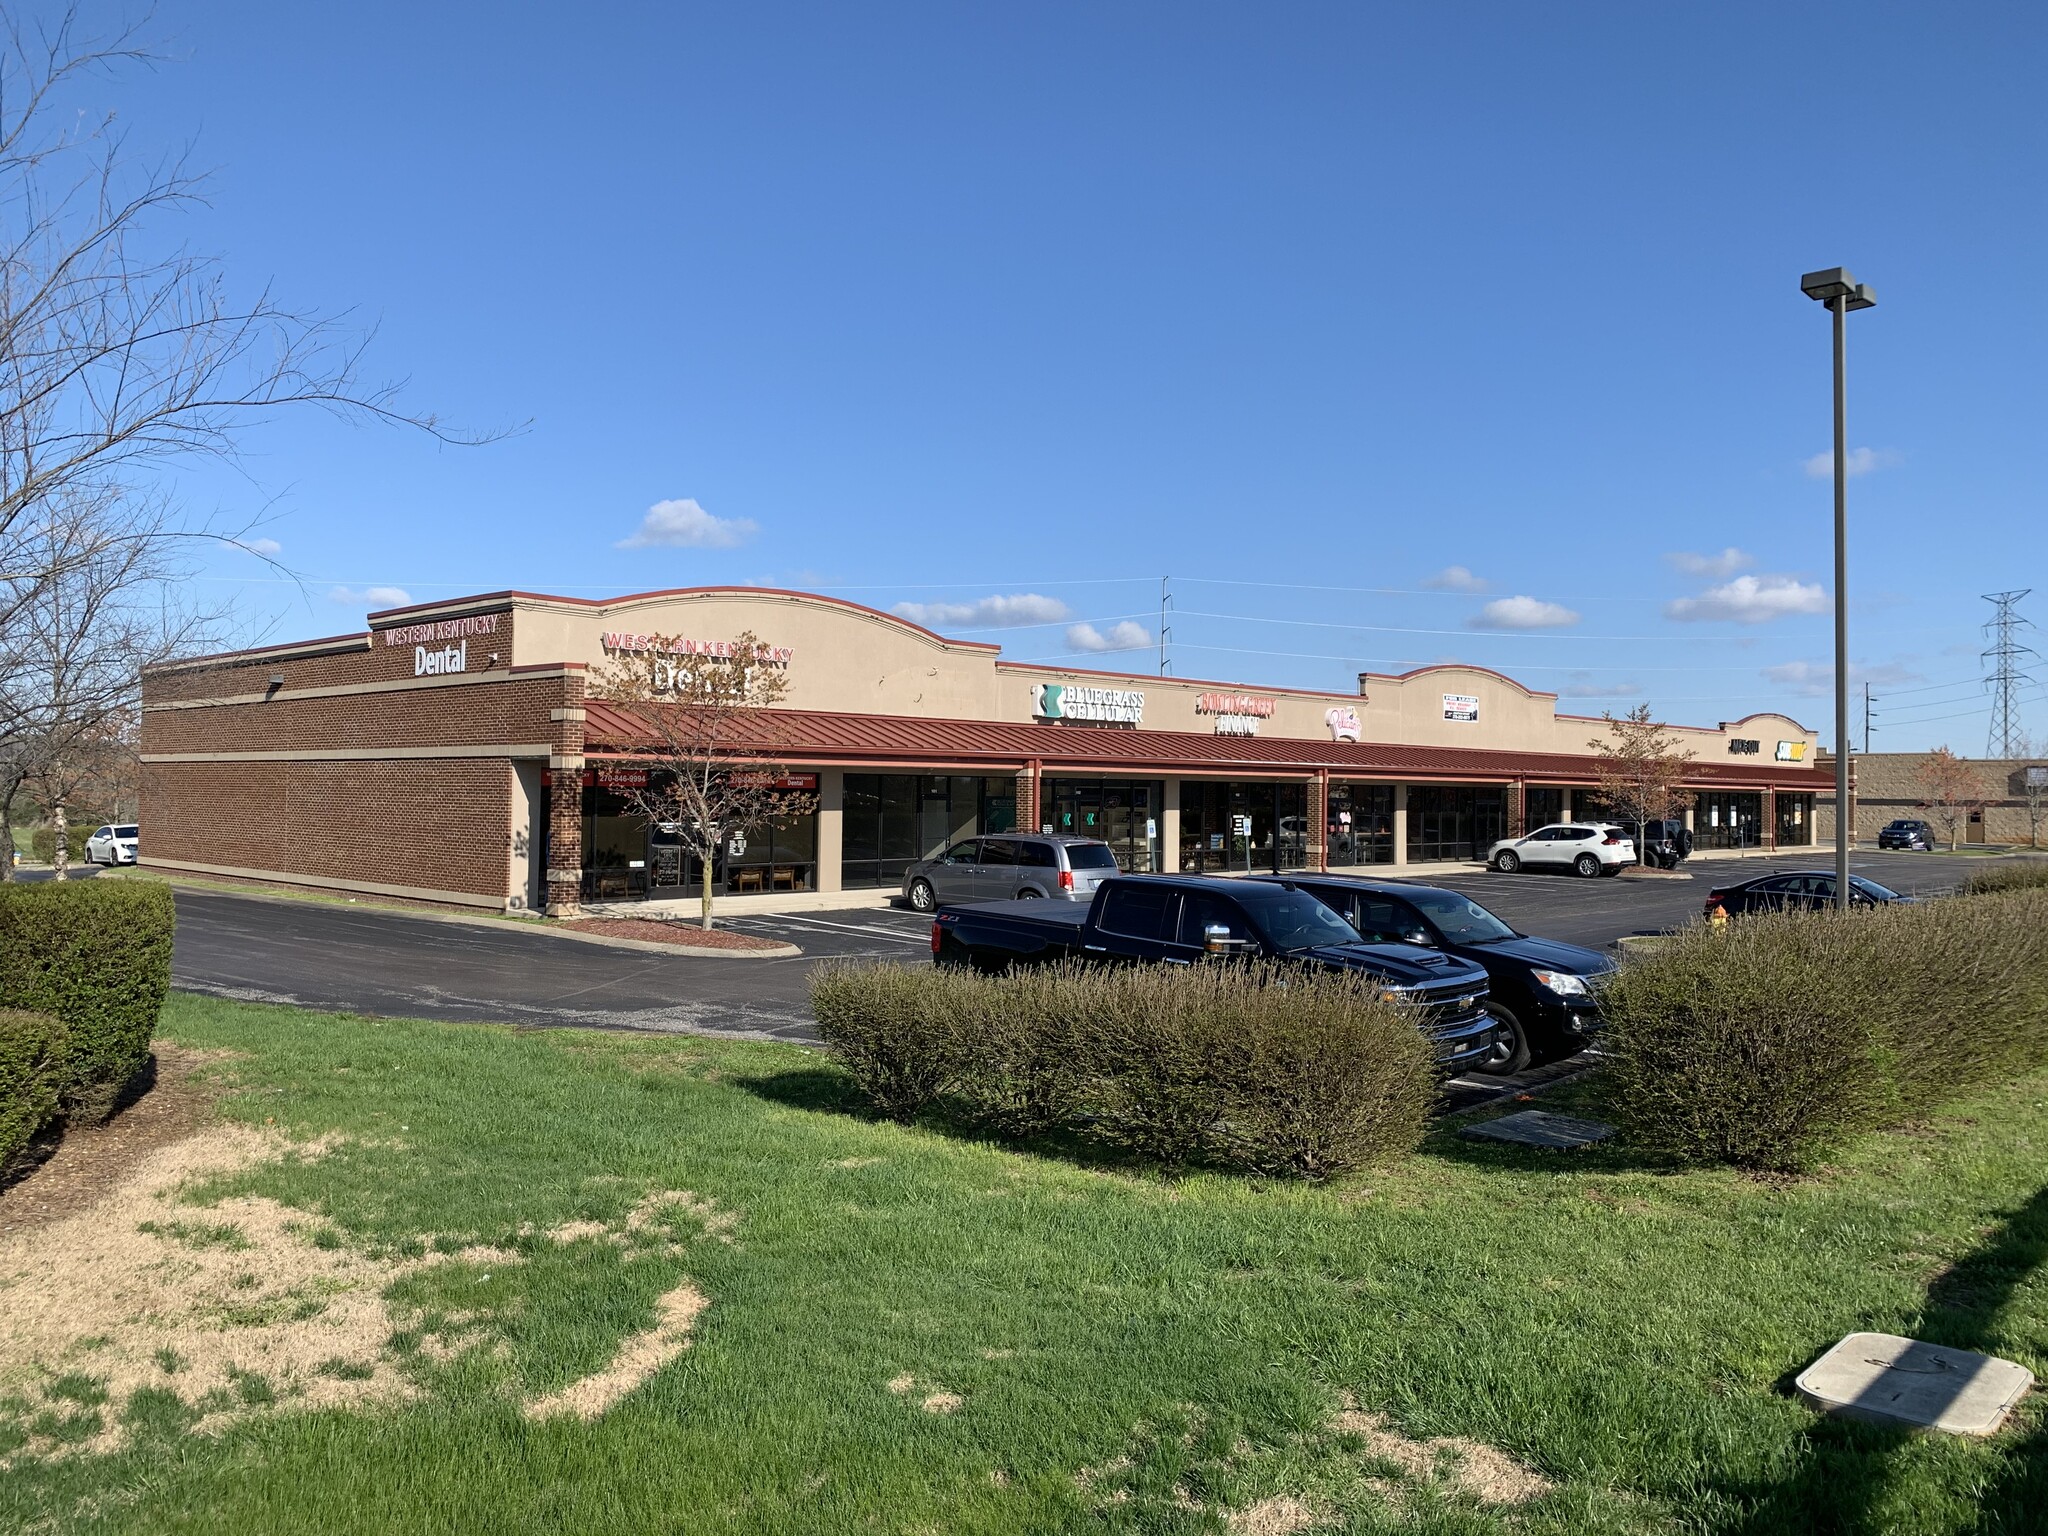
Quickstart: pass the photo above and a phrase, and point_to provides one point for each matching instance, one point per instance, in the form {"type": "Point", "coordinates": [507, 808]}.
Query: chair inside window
{"type": "Point", "coordinates": [749, 879]}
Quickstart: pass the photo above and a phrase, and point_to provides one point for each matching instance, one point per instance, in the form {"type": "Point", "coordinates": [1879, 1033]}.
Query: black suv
{"type": "Point", "coordinates": [1911, 836]}
{"type": "Point", "coordinates": [1540, 989]}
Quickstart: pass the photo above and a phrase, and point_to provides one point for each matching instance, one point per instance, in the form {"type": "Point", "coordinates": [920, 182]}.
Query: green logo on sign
{"type": "Point", "coordinates": [1046, 700]}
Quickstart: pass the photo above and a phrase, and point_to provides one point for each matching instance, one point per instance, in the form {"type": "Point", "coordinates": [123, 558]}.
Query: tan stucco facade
{"type": "Point", "coordinates": [844, 658]}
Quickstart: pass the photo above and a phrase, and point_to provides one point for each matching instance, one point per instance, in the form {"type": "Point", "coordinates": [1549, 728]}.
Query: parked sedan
{"type": "Point", "coordinates": [1809, 890]}
{"type": "Point", "coordinates": [1584, 848]}
{"type": "Point", "coordinates": [1908, 836]}
{"type": "Point", "coordinates": [1541, 990]}
{"type": "Point", "coordinates": [1010, 867]}
{"type": "Point", "coordinates": [114, 845]}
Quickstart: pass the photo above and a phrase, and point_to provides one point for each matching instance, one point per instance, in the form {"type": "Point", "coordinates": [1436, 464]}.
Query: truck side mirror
{"type": "Point", "coordinates": [1414, 936]}
{"type": "Point", "coordinates": [1217, 939]}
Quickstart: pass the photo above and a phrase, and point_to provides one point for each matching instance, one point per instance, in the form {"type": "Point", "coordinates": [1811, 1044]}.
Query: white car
{"type": "Point", "coordinates": [114, 845]}
{"type": "Point", "coordinates": [1585, 848]}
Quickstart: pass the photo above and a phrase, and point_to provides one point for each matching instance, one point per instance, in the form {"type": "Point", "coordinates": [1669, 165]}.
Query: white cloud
{"type": "Point", "coordinates": [270, 549]}
{"type": "Point", "coordinates": [1455, 578]}
{"type": "Point", "coordinates": [371, 598]}
{"type": "Point", "coordinates": [1751, 600]}
{"type": "Point", "coordinates": [1861, 462]}
{"type": "Point", "coordinates": [992, 612]}
{"type": "Point", "coordinates": [1814, 679]}
{"type": "Point", "coordinates": [1582, 686]}
{"type": "Point", "coordinates": [1715, 567]}
{"type": "Point", "coordinates": [1126, 636]}
{"type": "Point", "coordinates": [682, 524]}
{"type": "Point", "coordinates": [1523, 613]}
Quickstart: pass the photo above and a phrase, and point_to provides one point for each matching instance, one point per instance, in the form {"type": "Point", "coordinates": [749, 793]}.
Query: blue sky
{"type": "Point", "coordinates": [1390, 334]}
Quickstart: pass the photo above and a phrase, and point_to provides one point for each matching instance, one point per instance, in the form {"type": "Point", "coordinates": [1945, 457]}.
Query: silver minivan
{"type": "Point", "coordinates": [1010, 866]}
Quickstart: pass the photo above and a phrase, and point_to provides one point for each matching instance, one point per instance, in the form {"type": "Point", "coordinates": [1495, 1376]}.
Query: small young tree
{"type": "Point", "coordinates": [701, 724]}
{"type": "Point", "coordinates": [1948, 792]}
{"type": "Point", "coordinates": [1642, 771]}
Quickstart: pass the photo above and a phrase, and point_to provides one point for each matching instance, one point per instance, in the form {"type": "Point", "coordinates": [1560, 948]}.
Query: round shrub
{"type": "Point", "coordinates": [96, 954]}
{"type": "Point", "coordinates": [33, 1073]}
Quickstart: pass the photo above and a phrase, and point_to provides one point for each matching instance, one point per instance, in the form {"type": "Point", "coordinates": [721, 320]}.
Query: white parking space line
{"type": "Point", "coordinates": [811, 922]}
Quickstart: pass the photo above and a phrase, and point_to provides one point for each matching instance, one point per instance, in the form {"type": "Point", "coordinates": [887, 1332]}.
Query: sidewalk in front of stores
{"type": "Point", "coordinates": [776, 903]}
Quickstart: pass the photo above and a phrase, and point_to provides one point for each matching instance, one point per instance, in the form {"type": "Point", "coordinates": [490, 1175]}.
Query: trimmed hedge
{"type": "Point", "coordinates": [1767, 1042]}
{"type": "Point", "coordinates": [1259, 1068]}
{"type": "Point", "coordinates": [96, 954]}
{"type": "Point", "coordinates": [42, 842]}
{"type": "Point", "coordinates": [33, 1073]}
{"type": "Point", "coordinates": [2008, 875]}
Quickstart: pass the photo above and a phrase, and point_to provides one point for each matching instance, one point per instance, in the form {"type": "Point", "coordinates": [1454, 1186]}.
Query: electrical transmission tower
{"type": "Point", "coordinates": [2006, 657]}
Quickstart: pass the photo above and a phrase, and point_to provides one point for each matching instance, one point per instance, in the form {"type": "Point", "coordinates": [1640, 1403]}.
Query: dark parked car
{"type": "Point", "coordinates": [1909, 836]}
{"type": "Point", "coordinates": [1807, 890]}
{"type": "Point", "coordinates": [1542, 990]}
{"type": "Point", "coordinates": [1198, 920]}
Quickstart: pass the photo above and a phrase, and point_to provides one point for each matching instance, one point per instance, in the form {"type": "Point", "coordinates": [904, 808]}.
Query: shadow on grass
{"type": "Point", "coordinates": [1839, 1484]}
{"type": "Point", "coordinates": [43, 1146]}
{"type": "Point", "coordinates": [830, 1092]}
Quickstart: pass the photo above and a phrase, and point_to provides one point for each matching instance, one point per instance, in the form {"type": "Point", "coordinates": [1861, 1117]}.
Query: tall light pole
{"type": "Point", "coordinates": [1841, 293]}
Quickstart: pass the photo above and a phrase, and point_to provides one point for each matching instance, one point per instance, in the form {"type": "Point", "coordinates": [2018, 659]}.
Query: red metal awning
{"type": "Point", "coordinates": [822, 737]}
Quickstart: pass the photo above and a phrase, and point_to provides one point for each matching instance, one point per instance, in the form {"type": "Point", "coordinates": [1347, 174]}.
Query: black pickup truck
{"type": "Point", "coordinates": [1185, 919]}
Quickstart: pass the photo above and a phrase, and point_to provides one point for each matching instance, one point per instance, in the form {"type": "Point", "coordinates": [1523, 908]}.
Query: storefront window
{"type": "Point", "coordinates": [1124, 813]}
{"type": "Point", "coordinates": [1210, 837]}
{"type": "Point", "coordinates": [1454, 821]}
{"type": "Point", "coordinates": [1728, 819]}
{"type": "Point", "coordinates": [891, 820]}
{"type": "Point", "coordinates": [1542, 806]}
{"type": "Point", "coordinates": [624, 857]}
{"type": "Point", "coordinates": [1359, 825]}
{"type": "Point", "coordinates": [1795, 820]}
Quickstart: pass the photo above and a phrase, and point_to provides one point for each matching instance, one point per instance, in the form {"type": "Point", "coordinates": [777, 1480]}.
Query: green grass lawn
{"type": "Point", "coordinates": [1129, 1353]}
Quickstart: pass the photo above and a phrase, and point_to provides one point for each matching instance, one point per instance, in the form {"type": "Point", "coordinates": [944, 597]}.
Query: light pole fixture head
{"type": "Point", "coordinates": [1837, 283]}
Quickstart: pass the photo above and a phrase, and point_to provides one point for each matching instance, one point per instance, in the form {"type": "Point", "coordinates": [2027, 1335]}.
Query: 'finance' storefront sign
{"type": "Point", "coordinates": [1089, 705]}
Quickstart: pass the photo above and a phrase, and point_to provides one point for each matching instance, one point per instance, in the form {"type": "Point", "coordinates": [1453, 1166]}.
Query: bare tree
{"type": "Point", "coordinates": [701, 725]}
{"type": "Point", "coordinates": [1642, 771]}
{"type": "Point", "coordinates": [102, 604]}
{"type": "Point", "coordinates": [122, 353]}
{"type": "Point", "coordinates": [1949, 791]}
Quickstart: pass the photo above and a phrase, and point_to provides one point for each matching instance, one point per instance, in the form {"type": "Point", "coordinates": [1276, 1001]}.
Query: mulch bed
{"type": "Point", "coordinates": [682, 935]}
{"type": "Point", "coordinates": [64, 1170]}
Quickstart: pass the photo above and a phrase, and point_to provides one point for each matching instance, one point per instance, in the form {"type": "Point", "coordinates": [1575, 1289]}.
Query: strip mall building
{"type": "Point", "coordinates": [451, 754]}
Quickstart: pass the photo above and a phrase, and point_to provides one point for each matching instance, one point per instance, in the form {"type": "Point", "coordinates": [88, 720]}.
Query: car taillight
{"type": "Point", "coordinates": [937, 934]}
{"type": "Point", "coordinates": [1612, 841]}
{"type": "Point", "coordinates": [1066, 879]}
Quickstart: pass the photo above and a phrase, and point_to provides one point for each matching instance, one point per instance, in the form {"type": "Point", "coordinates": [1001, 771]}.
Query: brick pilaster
{"type": "Point", "coordinates": [1518, 810]}
{"type": "Point", "coordinates": [565, 803]}
{"type": "Point", "coordinates": [1770, 826]}
{"type": "Point", "coordinates": [1318, 829]}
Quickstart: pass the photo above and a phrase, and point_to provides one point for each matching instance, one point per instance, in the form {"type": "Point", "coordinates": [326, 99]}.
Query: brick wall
{"type": "Point", "coordinates": [425, 824]}
{"type": "Point", "coordinates": [1888, 788]}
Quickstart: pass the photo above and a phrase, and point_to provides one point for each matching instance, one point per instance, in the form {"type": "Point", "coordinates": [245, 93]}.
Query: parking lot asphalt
{"type": "Point", "coordinates": [397, 964]}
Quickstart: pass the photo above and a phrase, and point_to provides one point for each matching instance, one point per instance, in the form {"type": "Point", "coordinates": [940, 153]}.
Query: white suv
{"type": "Point", "coordinates": [1585, 848]}
{"type": "Point", "coordinates": [114, 845]}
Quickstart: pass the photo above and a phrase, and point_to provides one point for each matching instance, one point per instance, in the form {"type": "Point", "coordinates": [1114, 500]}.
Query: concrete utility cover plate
{"type": "Point", "coordinates": [1535, 1128]}
{"type": "Point", "coordinates": [1885, 1379]}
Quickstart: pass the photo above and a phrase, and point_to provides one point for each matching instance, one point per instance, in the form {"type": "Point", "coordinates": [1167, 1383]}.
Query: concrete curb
{"type": "Point", "coordinates": [494, 924]}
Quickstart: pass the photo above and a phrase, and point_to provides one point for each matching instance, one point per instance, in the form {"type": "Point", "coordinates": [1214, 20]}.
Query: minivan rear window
{"type": "Point", "coordinates": [1038, 855]}
{"type": "Point", "coordinates": [1090, 856]}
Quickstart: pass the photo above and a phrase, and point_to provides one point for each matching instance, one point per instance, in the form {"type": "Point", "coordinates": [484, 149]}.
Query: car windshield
{"type": "Point", "coordinates": [1870, 888]}
{"type": "Point", "coordinates": [1460, 919]}
{"type": "Point", "coordinates": [1291, 920]}
{"type": "Point", "coordinates": [126, 831]}
{"type": "Point", "coordinates": [1090, 856]}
